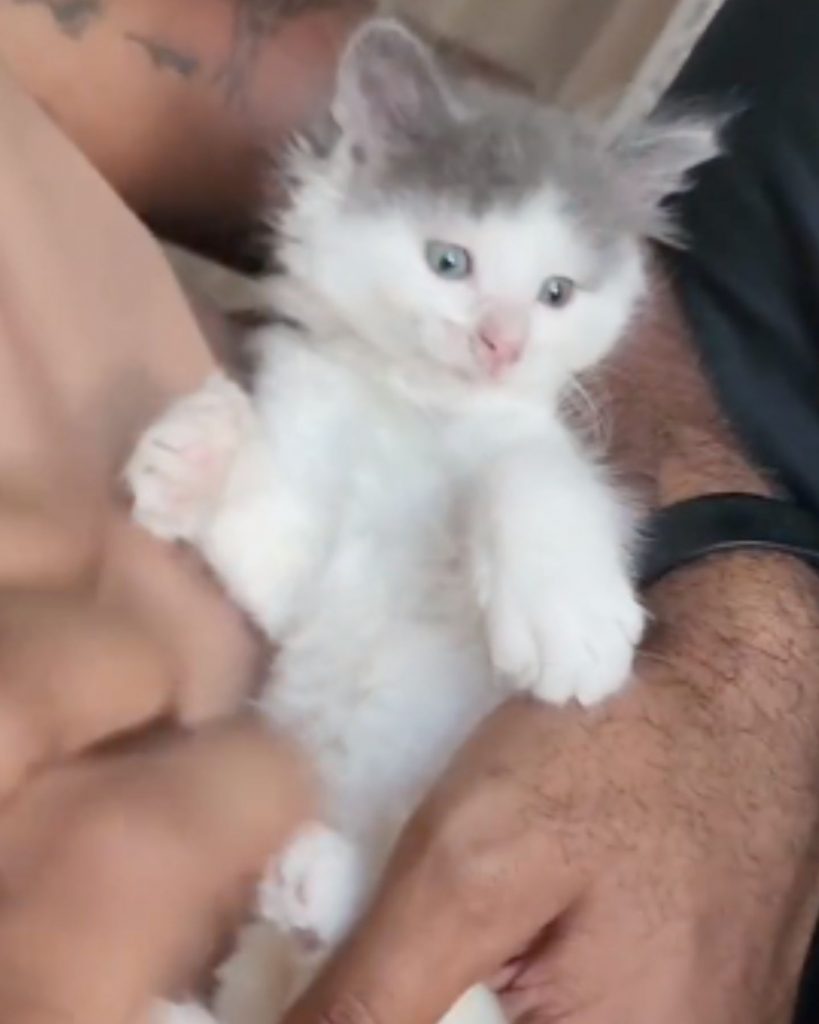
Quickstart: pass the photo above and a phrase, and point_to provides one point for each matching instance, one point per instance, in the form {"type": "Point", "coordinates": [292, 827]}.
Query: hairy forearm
{"type": "Point", "coordinates": [729, 699]}
{"type": "Point", "coordinates": [176, 102]}
{"type": "Point", "coordinates": [747, 623]}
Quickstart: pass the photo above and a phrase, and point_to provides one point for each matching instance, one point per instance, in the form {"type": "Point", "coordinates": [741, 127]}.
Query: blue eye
{"type": "Point", "coordinates": [452, 262]}
{"type": "Point", "coordinates": [557, 292]}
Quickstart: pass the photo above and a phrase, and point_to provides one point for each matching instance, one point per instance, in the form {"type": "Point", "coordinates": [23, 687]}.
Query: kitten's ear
{"type": "Point", "coordinates": [390, 90]}
{"type": "Point", "coordinates": [659, 154]}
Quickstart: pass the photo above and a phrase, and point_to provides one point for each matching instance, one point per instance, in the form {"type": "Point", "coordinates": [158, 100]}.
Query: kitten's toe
{"type": "Point", "coordinates": [560, 643]}
{"type": "Point", "coordinates": [516, 654]}
{"type": "Point", "coordinates": [611, 652]}
{"type": "Point", "coordinates": [180, 464]}
{"type": "Point", "coordinates": [590, 645]}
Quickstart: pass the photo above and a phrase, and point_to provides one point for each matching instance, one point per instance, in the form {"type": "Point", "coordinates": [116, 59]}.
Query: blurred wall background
{"type": "Point", "coordinates": [614, 55]}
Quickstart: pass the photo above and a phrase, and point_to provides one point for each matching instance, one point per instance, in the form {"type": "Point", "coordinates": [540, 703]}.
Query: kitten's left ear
{"type": "Point", "coordinates": [390, 89]}
{"type": "Point", "coordinates": [658, 155]}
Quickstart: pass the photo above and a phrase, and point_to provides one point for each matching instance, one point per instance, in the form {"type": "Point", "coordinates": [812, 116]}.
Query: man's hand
{"type": "Point", "coordinates": [651, 861]}
{"type": "Point", "coordinates": [121, 873]}
{"type": "Point", "coordinates": [117, 871]}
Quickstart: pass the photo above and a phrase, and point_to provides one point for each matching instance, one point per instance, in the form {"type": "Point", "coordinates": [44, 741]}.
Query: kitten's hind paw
{"type": "Point", "coordinates": [181, 463]}
{"type": "Point", "coordinates": [315, 890]}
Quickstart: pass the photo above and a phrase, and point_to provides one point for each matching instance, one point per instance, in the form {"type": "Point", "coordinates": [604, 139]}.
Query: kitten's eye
{"type": "Point", "coordinates": [557, 292]}
{"type": "Point", "coordinates": [450, 261]}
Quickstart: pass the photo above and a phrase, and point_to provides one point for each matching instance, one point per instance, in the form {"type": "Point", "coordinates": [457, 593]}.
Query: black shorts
{"type": "Point", "coordinates": [749, 279]}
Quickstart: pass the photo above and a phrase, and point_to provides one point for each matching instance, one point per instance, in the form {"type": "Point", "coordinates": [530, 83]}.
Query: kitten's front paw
{"type": "Point", "coordinates": [181, 462]}
{"type": "Point", "coordinates": [563, 642]}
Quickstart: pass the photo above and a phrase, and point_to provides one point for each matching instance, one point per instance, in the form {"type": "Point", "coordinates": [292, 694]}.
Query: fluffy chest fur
{"type": "Point", "coordinates": [383, 668]}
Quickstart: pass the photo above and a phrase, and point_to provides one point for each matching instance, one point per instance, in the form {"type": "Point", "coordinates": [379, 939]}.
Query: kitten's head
{"type": "Point", "coordinates": [470, 231]}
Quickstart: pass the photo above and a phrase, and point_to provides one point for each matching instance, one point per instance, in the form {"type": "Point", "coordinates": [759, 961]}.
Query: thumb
{"type": "Point", "coordinates": [136, 861]}
{"type": "Point", "coordinates": [407, 963]}
{"type": "Point", "coordinates": [442, 922]}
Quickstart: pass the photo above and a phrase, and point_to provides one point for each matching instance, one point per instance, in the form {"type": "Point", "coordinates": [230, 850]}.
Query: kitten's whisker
{"type": "Point", "coordinates": [660, 660]}
{"type": "Point", "coordinates": [588, 416]}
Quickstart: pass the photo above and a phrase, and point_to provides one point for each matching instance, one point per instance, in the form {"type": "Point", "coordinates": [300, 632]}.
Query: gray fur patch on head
{"type": "Point", "coordinates": [417, 133]}
{"type": "Point", "coordinates": [502, 152]}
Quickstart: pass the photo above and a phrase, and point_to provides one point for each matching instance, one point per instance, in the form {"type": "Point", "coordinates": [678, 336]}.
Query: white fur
{"type": "Point", "coordinates": [372, 269]}
{"type": "Point", "coordinates": [181, 1013]}
{"type": "Point", "coordinates": [477, 1006]}
{"type": "Point", "coordinates": [419, 538]}
{"type": "Point", "coordinates": [316, 889]}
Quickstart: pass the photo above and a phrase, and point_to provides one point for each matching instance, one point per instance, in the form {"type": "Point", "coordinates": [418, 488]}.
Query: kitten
{"type": "Point", "coordinates": [400, 504]}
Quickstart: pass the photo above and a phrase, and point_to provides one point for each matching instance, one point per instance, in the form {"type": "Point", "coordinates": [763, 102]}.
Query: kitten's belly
{"type": "Point", "coordinates": [381, 720]}
{"type": "Point", "coordinates": [386, 673]}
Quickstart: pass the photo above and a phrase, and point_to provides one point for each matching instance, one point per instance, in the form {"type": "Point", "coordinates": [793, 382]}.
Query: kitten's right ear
{"type": "Point", "coordinates": [390, 90]}
{"type": "Point", "coordinates": [659, 155]}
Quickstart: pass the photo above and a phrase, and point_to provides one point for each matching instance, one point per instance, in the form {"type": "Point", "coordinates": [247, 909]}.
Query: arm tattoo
{"type": "Point", "coordinates": [254, 22]}
{"type": "Point", "coordinates": [165, 57]}
{"type": "Point", "coordinates": [73, 17]}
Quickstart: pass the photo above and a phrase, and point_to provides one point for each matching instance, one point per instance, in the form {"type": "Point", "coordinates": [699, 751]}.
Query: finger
{"type": "Point", "coordinates": [157, 639]}
{"type": "Point", "coordinates": [72, 673]}
{"type": "Point", "coordinates": [410, 961]}
{"type": "Point", "coordinates": [394, 970]}
{"type": "Point", "coordinates": [215, 654]}
{"type": "Point", "coordinates": [135, 862]}
{"type": "Point", "coordinates": [613, 959]}
{"type": "Point", "coordinates": [504, 978]}
{"type": "Point", "coordinates": [470, 885]}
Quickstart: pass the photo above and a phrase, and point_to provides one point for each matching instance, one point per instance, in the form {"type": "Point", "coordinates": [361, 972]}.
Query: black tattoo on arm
{"type": "Point", "coordinates": [73, 17]}
{"type": "Point", "coordinates": [166, 57]}
{"type": "Point", "coordinates": [254, 22]}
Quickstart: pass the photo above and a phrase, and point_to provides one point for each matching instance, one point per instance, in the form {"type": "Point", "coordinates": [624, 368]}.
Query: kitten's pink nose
{"type": "Point", "coordinates": [501, 341]}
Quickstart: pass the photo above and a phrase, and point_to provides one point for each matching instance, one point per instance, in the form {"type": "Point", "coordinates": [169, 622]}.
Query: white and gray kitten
{"type": "Point", "coordinates": [400, 505]}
